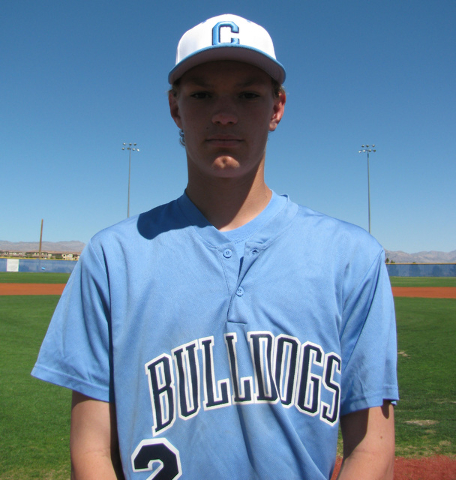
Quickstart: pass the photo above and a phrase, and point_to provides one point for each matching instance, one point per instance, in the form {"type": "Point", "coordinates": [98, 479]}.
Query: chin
{"type": "Point", "coordinates": [226, 163]}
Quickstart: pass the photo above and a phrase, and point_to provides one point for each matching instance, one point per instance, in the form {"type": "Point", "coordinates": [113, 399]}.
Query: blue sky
{"type": "Point", "coordinates": [79, 78]}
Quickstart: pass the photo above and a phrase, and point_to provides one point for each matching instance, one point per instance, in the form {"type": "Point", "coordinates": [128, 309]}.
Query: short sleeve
{"type": "Point", "coordinates": [369, 346]}
{"type": "Point", "coordinates": [76, 351]}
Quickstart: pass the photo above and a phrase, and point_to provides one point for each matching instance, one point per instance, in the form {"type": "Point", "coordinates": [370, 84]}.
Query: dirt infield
{"type": "Point", "coordinates": [425, 292]}
{"type": "Point", "coordinates": [57, 289]}
{"type": "Point", "coordinates": [31, 288]}
{"type": "Point", "coordinates": [438, 467]}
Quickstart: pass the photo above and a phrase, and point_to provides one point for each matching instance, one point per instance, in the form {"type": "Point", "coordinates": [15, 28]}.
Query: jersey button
{"type": "Point", "coordinates": [227, 253]}
{"type": "Point", "coordinates": [240, 292]}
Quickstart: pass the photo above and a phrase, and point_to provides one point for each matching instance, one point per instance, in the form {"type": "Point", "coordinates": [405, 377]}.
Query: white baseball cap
{"type": "Point", "coordinates": [227, 37]}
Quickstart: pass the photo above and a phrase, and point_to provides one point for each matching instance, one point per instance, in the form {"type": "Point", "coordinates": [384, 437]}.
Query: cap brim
{"type": "Point", "coordinates": [236, 52]}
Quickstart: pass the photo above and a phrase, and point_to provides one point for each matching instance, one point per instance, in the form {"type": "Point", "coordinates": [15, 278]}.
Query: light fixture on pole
{"type": "Point", "coordinates": [368, 149]}
{"type": "Point", "coordinates": [131, 147]}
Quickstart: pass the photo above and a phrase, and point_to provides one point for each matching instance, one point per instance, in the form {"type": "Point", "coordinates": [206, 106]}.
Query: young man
{"type": "Point", "coordinates": [224, 335]}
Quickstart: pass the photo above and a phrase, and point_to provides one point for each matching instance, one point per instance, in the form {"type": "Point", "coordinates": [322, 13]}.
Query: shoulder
{"type": "Point", "coordinates": [336, 251]}
{"type": "Point", "coordinates": [328, 234]}
{"type": "Point", "coordinates": [134, 231]}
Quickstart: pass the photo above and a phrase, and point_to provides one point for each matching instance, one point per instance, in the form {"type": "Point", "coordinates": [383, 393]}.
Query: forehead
{"type": "Point", "coordinates": [225, 71]}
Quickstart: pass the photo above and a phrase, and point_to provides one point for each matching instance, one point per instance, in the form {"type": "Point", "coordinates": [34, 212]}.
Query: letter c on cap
{"type": "Point", "coordinates": [216, 32]}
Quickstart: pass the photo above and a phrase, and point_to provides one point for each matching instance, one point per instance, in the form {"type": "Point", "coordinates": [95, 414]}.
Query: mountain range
{"type": "Point", "coordinates": [75, 246]}
{"type": "Point", "coordinates": [421, 257]}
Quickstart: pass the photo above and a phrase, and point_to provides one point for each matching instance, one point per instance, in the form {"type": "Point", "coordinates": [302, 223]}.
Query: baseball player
{"type": "Point", "coordinates": [228, 333]}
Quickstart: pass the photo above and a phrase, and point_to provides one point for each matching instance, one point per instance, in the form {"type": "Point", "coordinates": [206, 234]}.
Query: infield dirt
{"type": "Point", "coordinates": [31, 288]}
{"type": "Point", "coordinates": [425, 292]}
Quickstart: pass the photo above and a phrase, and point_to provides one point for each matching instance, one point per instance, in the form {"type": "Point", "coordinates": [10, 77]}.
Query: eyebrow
{"type": "Point", "coordinates": [249, 82]}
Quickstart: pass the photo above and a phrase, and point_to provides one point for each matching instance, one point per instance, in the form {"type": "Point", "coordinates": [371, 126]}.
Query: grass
{"type": "Point", "coordinates": [48, 277]}
{"type": "Point", "coordinates": [426, 413]}
{"type": "Point", "coordinates": [35, 420]}
{"type": "Point", "coordinates": [33, 277]}
{"type": "Point", "coordinates": [35, 416]}
{"type": "Point", "coordinates": [423, 281]}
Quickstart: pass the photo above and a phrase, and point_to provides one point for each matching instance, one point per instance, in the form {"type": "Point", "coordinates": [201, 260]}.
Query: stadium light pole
{"type": "Point", "coordinates": [368, 149]}
{"type": "Point", "coordinates": [131, 147]}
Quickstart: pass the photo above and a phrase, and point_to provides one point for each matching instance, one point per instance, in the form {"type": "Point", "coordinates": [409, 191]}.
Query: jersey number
{"type": "Point", "coordinates": [158, 456]}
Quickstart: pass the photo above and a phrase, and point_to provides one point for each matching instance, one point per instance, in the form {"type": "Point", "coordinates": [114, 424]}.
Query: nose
{"type": "Point", "coordinates": [224, 112]}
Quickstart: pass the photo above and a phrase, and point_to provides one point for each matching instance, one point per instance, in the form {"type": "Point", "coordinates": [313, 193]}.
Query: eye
{"type": "Point", "coordinates": [200, 95]}
{"type": "Point", "coordinates": [249, 95]}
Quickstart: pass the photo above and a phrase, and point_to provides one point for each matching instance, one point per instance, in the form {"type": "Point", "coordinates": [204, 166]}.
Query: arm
{"type": "Point", "coordinates": [93, 440]}
{"type": "Point", "coordinates": [368, 437]}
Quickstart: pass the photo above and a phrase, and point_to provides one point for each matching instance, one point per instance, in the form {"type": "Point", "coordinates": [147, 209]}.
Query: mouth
{"type": "Point", "coordinates": [223, 140]}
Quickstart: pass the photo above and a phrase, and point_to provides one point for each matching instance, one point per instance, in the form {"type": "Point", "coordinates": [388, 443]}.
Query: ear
{"type": "Point", "coordinates": [278, 111]}
{"type": "Point", "coordinates": [174, 109]}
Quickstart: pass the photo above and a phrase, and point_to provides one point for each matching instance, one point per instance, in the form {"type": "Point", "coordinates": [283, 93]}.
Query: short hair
{"type": "Point", "coordinates": [277, 88]}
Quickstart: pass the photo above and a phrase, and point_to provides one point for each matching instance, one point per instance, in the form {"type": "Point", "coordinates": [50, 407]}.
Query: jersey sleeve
{"type": "Point", "coordinates": [76, 351]}
{"type": "Point", "coordinates": [368, 340]}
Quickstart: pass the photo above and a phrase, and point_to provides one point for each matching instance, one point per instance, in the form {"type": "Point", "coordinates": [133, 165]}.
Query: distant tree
{"type": "Point", "coordinates": [387, 260]}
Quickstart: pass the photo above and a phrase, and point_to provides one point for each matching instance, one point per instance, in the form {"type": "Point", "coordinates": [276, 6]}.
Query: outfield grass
{"type": "Point", "coordinates": [35, 416]}
{"type": "Point", "coordinates": [426, 413]}
{"type": "Point", "coordinates": [48, 277]}
{"type": "Point", "coordinates": [33, 277]}
{"type": "Point", "coordinates": [423, 281]}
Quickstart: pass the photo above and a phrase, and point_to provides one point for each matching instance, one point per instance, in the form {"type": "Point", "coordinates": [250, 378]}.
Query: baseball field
{"type": "Point", "coordinates": [35, 416]}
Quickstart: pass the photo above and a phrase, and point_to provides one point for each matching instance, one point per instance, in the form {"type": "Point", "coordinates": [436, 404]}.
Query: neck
{"type": "Point", "coordinates": [229, 203]}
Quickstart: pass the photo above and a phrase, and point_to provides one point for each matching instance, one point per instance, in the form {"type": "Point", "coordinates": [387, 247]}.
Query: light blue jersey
{"type": "Point", "coordinates": [221, 368]}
